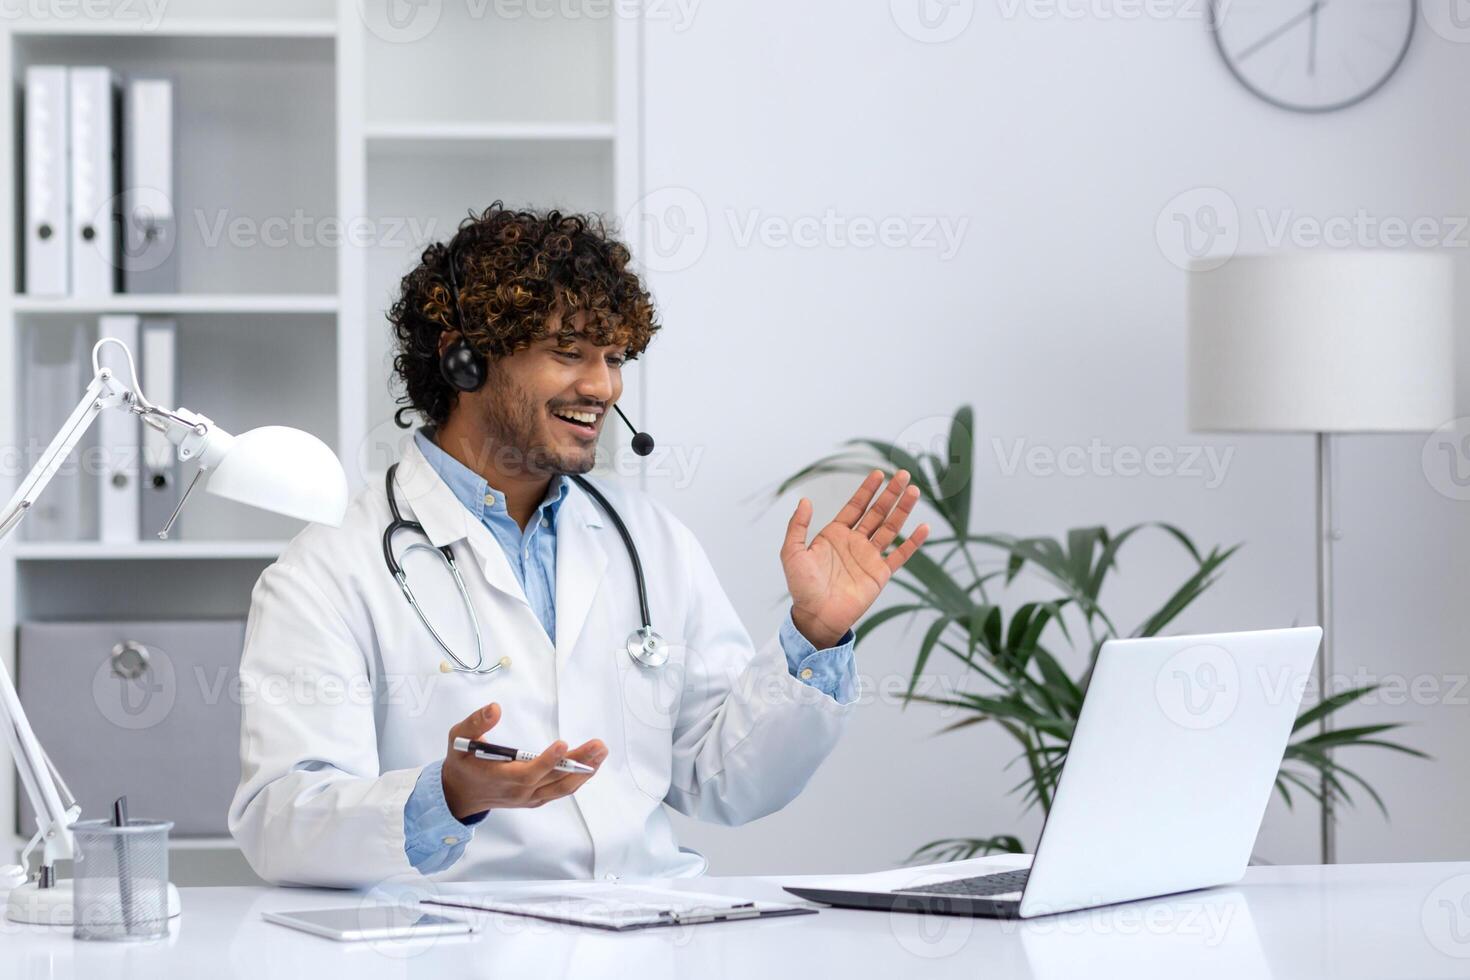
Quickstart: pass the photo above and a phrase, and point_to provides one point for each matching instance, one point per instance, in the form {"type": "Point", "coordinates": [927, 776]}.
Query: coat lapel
{"type": "Point", "coordinates": [424, 496]}
{"type": "Point", "coordinates": [581, 561]}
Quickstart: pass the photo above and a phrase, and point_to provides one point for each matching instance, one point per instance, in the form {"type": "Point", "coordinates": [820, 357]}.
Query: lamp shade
{"type": "Point", "coordinates": [1322, 342]}
{"type": "Point", "coordinates": [280, 469]}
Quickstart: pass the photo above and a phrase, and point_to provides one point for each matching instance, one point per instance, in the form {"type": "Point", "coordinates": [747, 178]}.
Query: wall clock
{"type": "Point", "coordinates": [1313, 55]}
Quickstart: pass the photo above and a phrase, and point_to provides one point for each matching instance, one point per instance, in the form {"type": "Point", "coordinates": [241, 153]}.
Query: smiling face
{"type": "Point", "coordinates": [543, 407]}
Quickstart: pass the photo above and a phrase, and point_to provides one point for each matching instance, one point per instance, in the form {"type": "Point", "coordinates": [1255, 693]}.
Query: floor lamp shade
{"type": "Point", "coordinates": [1322, 342]}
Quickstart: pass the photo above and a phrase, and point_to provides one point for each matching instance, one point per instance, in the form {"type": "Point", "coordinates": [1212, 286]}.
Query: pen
{"type": "Point", "coordinates": [503, 753]}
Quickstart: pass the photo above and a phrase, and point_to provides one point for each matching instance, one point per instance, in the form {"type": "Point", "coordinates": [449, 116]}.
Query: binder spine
{"type": "Point", "coordinates": [149, 226]}
{"type": "Point", "coordinates": [118, 436]}
{"type": "Point", "coordinates": [47, 192]}
{"type": "Point", "coordinates": [95, 174]}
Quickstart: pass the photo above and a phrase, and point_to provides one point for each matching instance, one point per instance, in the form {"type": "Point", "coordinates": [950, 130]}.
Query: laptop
{"type": "Point", "coordinates": [1171, 766]}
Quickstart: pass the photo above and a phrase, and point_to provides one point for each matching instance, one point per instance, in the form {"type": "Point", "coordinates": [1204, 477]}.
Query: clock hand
{"type": "Point", "coordinates": [1312, 49]}
{"type": "Point", "coordinates": [1253, 48]}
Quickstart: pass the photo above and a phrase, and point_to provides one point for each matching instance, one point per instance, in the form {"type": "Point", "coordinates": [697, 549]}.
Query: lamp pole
{"type": "Point", "coordinates": [1326, 534]}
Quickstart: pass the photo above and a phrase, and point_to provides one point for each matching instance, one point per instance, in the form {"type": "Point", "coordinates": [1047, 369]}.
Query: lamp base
{"type": "Point", "coordinates": [52, 906]}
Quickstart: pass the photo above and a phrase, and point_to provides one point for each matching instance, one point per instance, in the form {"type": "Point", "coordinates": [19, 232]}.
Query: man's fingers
{"type": "Point", "coordinates": [544, 764]}
{"type": "Point", "coordinates": [796, 528]}
{"type": "Point", "coordinates": [476, 724]}
{"type": "Point", "coordinates": [554, 789]}
{"type": "Point", "coordinates": [905, 551]}
{"type": "Point", "coordinates": [891, 494]}
{"type": "Point", "coordinates": [589, 753]}
{"type": "Point", "coordinates": [559, 784]}
{"type": "Point", "coordinates": [884, 536]}
{"type": "Point", "coordinates": [852, 512]}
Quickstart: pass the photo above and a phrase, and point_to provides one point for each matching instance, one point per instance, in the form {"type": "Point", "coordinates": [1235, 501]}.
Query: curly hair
{"type": "Point", "coordinates": [516, 271]}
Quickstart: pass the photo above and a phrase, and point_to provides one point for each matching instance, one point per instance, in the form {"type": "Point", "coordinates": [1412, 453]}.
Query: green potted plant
{"type": "Point", "coordinates": [1015, 651]}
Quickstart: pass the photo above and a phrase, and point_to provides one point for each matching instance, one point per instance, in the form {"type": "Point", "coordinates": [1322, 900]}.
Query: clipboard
{"type": "Point", "coordinates": [619, 908]}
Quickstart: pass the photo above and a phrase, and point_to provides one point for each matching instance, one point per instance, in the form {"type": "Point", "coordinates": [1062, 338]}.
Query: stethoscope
{"type": "Point", "coordinates": [644, 644]}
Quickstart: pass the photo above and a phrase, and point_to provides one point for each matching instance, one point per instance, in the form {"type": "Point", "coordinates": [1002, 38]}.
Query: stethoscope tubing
{"type": "Point", "coordinates": [644, 644]}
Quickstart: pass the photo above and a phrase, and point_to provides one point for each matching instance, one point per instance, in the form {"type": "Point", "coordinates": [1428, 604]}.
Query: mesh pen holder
{"type": "Point", "coordinates": [120, 880]}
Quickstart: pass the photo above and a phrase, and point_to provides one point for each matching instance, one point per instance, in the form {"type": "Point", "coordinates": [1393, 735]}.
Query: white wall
{"type": "Point", "coordinates": [1061, 141]}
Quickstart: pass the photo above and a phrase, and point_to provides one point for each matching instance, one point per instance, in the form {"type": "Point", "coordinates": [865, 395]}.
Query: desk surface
{"type": "Point", "coordinates": [1398, 920]}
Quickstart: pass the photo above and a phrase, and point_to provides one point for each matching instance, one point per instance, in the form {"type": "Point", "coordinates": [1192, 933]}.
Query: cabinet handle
{"type": "Point", "coordinates": [130, 660]}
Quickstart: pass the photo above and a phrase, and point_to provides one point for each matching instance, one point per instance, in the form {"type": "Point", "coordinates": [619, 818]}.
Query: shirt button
{"type": "Point", "coordinates": [610, 876]}
{"type": "Point", "coordinates": [545, 522]}
{"type": "Point", "coordinates": [806, 673]}
{"type": "Point", "coordinates": [451, 841]}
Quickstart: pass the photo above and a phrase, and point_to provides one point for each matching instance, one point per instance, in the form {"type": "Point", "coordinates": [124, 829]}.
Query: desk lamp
{"type": "Point", "coordinates": [275, 468]}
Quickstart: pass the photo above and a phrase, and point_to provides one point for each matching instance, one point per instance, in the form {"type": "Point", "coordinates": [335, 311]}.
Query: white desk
{"type": "Point", "coordinates": [1397, 920]}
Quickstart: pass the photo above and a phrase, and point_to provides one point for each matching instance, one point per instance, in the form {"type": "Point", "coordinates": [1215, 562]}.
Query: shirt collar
{"type": "Point", "coordinates": [474, 491]}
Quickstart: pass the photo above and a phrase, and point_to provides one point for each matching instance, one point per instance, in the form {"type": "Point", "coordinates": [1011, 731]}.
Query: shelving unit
{"type": "Point", "coordinates": [303, 109]}
{"type": "Point", "coordinates": [145, 550]}
{"type": "Point", "coordinates": [171, 303]}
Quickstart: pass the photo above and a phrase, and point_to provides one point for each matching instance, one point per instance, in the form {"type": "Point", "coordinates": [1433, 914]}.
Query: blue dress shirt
{"type": "Point", "coordinates": [433, 838]}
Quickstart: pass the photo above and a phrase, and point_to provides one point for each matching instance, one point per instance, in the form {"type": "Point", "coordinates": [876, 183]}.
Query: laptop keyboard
{"type": "Point", "coordinates": [979, 887]}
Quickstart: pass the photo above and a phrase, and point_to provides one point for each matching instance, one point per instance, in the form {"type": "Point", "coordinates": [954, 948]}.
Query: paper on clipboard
{"type": "Point", "coordinates": [618, 907]}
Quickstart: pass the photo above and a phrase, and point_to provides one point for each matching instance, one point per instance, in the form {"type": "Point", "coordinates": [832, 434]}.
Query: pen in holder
{"type": "Point", "coordinates": [120, 878]}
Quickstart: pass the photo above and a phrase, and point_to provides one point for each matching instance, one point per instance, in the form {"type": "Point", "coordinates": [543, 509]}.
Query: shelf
{"type": "Point", "coordinates": [178, 303]}
{"type": "Point", "coordinates": [131, 551]}
{"type": "Point", "coordinates": [438, 132]}
{"type": "Point", "coordinates": [220, 843]}
{"type": "Point", "coordinates": [179, 27]}
{"type": "Point", "coordinates": [225, 843]}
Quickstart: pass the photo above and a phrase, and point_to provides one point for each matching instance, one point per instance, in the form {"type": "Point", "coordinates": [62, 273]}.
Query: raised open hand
{"type": "Point", "coordinates": [838, 576]}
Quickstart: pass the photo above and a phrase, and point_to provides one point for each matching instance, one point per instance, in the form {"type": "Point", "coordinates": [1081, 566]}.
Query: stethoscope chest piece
{"type": "Point", "coordinates": [647, 648]}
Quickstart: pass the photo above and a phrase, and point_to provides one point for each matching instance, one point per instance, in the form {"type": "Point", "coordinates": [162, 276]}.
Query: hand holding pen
{"type": "Point", "coordinates": [493, 777]}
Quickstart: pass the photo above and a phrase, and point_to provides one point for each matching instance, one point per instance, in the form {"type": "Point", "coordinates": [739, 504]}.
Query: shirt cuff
{"type": "Point", "coordinates": [433, 838]}
{"type": "Point", "coordinates": [831, 671]}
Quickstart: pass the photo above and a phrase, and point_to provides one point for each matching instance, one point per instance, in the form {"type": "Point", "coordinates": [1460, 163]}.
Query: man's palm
{"type": "Point", "coordinates": [836, 578]}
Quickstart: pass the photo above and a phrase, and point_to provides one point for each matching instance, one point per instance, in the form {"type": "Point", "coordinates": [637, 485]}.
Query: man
{"type": "Point", "coordinates": [510, 344]}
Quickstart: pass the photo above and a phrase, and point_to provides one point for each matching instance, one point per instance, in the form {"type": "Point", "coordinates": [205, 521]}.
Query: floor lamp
{"type": "Point", "coordinates": [1322, 343]}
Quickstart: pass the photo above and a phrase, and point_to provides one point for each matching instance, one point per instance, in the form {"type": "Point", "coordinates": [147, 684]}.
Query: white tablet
{"type": "Point", "coordinates": [371, 922]}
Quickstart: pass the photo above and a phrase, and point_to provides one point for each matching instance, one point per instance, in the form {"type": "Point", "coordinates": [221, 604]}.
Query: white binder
{"type": "Point", "coordinates": [55, 366]}
{"type": "Point", "coordinates": [160, 487]}
{"type": "Point", "coordinates": [149, 220]}
{"type": "Point", "coordinates": [47, 225]}
{"type": "Point", "coordinates": [96, 266]}
{"type": "Point", "coordinates": [118, 438]}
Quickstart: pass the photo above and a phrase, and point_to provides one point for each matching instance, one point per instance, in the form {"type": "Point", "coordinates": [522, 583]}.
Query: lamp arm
{"type": "Point", "coordinates": [103, 392]}
{"type": "Point", "coordinates": [53, 817]}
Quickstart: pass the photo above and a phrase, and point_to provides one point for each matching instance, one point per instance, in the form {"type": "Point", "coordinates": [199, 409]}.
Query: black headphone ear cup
{"type": "Point", "coordinates": [462, 366]}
